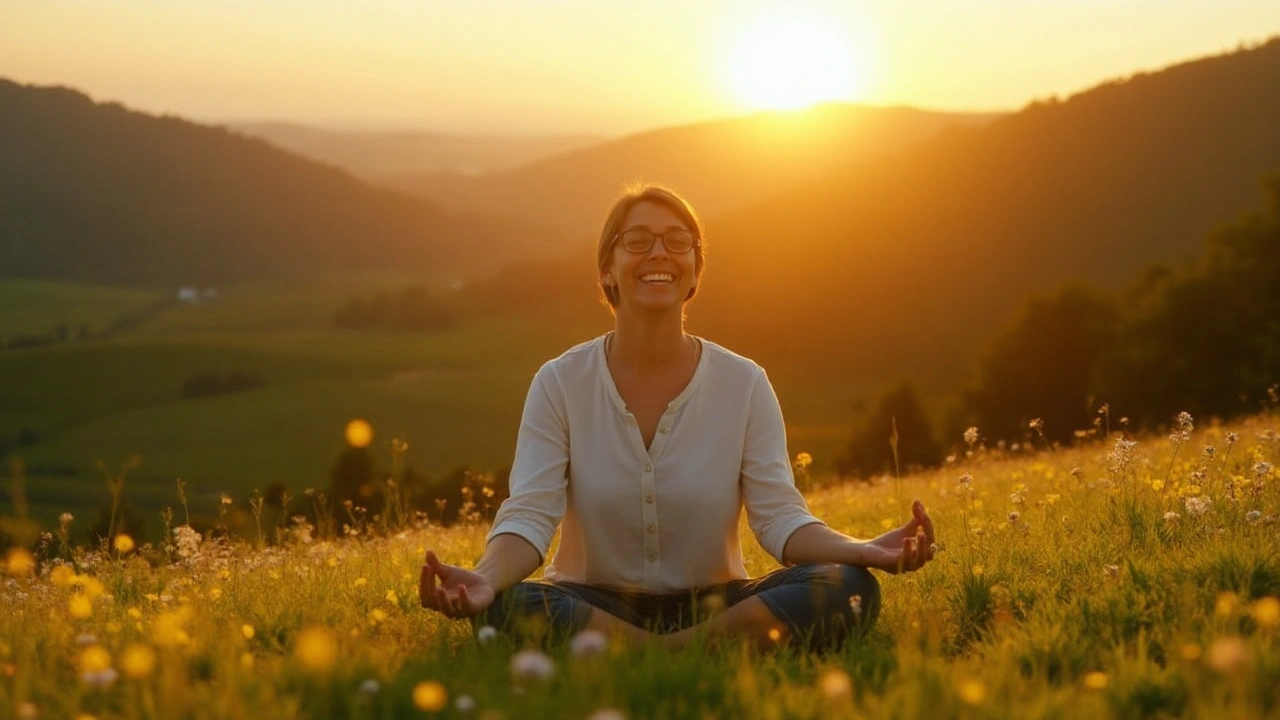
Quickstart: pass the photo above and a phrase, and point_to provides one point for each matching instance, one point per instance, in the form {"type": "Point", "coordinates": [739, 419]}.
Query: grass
{"type": "Point", "coordinates": [1092, 582]}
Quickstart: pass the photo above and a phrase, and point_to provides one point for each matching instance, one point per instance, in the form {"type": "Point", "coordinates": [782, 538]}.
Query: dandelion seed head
{"type": "Point", "coordinates": [532, 665]}
{"type": "Point", "coordinates": [971, 436]}
{"type": "Point", "coordinates": [1231, 438]}
{"type": "Point", "coordinates": [486, 634]}
{"type": "Point", "coordinates": [588, 643]}
{"type": "Point", "coordinates": [1198, 506]}
{"type": "Point", "coordinates": [464, 704]}
{"type": "Point", "coordinates": [370, 687]}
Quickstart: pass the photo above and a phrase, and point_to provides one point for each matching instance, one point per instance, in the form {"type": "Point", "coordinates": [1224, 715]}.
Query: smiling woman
{"type": "Point", "coordinates": [792, 56]}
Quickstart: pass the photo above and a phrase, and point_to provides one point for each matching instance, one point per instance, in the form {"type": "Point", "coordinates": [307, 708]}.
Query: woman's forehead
{"type": "Point", "coordinates": [653, 215]}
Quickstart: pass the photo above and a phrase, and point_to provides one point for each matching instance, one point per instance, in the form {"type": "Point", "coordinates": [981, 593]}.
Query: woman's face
{"type": "Point", "coordinates": [656, 279]}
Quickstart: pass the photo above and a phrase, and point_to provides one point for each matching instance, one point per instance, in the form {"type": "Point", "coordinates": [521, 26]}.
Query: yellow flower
{"type": "Point", "coordinates": [247, 631]}
{"type": "Point", "coordinates": [1096, 680]}
{"type": "Point", "coordinates": [215, 593]}
{"type": "Point", "coordinates": [316, 649]}
{"type": "Point", "coordinates": [1266, 612]}
{"type": "Point", "coordinates": [835, 683]}
{"type": "Point", "coordinates": [377, 615]}
{"type": "Point", "coordinates": [359, 433]}
{"type": "Point", "coordinates": [123, 543]}
{"type": "Point", "coordinates": [134, 613]}
{"type": "Point", "coordinates": [19, 562]}
{"type": "Point", "coordinates": [360, 582]}
{"type": "Point", "coordinates": [137, 661]}
{"type": "Point", "coordinates": [62, 576]}
{"type": "Point", "coordinates": [167, 630]}
{"type": "Point", "coordinates": [978, 571]}
{"type": "Point", "coordinates": [430, 696]}
{"type": "Point", "coordinates": [1227, 654]}
{"type": "Point", "coordinates": [973, 692]}
{"type": "Point", "coordinates": [94, 658]}
{"type": "Point", "coordinates": [1226, 604]}
{"type": "Point", "coordinates": [1191, 652]}
{"type": "Point", "coordinates": [80, 606]}
{"type": "Point", "coordinates": [88, 585]}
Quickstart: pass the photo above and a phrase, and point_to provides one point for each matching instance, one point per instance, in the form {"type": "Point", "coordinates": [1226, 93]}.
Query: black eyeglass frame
{"type": "Point", "coordinates": [654, 237]}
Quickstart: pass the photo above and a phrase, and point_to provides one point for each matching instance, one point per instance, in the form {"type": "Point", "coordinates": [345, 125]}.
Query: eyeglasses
{"type": "Point", "coordinates": [677, 241]}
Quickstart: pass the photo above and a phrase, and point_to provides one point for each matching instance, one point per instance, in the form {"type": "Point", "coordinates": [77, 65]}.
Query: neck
{"type": "Point", "coordinates": [649, 341]}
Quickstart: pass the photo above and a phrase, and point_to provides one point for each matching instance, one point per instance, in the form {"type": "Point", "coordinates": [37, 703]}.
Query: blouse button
{"type": "Point", "coordinates": [651, 527]}
{"type": "Point", "coordinates": [648, 499]}
{"type": "Point", "coordinates": [662, 430]}
{"type": "Point", "coordinates": [653, 557]}
{"type": "Point", "coordinates": [648, 468]}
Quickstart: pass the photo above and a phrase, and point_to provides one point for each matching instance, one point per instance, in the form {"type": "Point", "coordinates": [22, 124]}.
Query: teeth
{"type": "Point", "coordinates": [657, 277]}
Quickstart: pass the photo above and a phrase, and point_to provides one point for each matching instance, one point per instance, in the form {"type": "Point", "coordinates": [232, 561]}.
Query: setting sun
{"type": "Point", "coordinates": [789, 57]}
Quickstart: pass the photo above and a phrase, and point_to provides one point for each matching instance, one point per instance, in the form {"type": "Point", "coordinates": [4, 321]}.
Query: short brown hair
{"type": "Point", "coordinates": [629, 198]}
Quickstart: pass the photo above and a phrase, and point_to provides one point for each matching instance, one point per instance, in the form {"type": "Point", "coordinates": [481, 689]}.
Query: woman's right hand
{"type": "Point", "coordinates": [461, 593]}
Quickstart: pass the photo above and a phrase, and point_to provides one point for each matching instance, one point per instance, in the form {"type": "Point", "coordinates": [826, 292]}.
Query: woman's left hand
{"type": "Point", "coordinates": [905, 548]}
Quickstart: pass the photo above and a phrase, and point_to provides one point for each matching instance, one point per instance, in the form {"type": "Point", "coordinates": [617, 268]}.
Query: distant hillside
{"type": "Point", "coordinates": [391, 157]}
{"type": "Point", "coordinates": [98, 193]}
{"type": "Point", "coordinates": [718, 165]}
{"type": "Point", "coordinates": [919, 255]}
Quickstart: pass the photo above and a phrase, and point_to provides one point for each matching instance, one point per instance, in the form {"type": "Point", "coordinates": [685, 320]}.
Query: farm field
{"type": "Point", "coordinates": [454, 395]}
{"type": "Point", "coordinates": [1125, 578]}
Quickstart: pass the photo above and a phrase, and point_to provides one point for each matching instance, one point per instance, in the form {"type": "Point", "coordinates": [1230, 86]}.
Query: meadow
{"type": "Point", "coordinates": [1125, 577]}
{"type": "Point", "coordinates": [453, 394]}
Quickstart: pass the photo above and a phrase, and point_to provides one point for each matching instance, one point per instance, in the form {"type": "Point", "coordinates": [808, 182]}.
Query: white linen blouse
{"type": "Point", "coordinates": [658, 519]}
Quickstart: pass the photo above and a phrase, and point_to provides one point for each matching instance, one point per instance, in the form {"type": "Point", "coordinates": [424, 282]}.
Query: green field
{"type": "Point", "coordinates": [1108, 581]}
{"type": "Point", "coordinates": [454, 395]}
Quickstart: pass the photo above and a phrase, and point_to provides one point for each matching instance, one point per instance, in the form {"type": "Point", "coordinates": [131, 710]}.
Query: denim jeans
{"type": "Point", "coordinates": [820, 605]}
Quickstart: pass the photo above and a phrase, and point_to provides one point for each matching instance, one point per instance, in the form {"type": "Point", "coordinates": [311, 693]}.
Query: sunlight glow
{"type": "Point", "coordinates": [793, 56]}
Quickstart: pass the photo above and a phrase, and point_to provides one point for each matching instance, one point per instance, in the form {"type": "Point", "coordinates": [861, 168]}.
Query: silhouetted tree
{"type": "Point", "coordinates": [870, 451]}
{"type": "Point", "coordinates": [1043, 366]}
{"type": "Point", "coordinates": [353, 479]}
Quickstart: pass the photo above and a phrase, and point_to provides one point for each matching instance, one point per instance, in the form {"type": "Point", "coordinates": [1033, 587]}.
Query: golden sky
{"type": "Point", "coordinates": [596, 66]}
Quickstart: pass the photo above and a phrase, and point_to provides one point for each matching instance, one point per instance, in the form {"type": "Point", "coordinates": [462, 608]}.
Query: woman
{"type": "Point", "coordinates": [647, 443]}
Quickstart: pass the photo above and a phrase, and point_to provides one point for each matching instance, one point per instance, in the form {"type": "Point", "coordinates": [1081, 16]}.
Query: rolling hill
{"type": "Point", "coordinates": [98, 193]}
{"type": "Point", "coordinates": [719, 165]}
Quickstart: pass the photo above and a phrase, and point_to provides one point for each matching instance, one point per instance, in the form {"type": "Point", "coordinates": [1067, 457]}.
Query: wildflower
{"type": "Point", "coordinates": [246, 631]}
{"type": "Point", "coordinates": [1198, 506]}
{"type": "Point", "coordinates": [588, 643]}
{"type": "Point", "coordinates": [775, 634]}
{"type": "Point", "coordinates": [100, 679]}
{"type": "Point", "coordinates": [966, 480]}
{"type": "Point", "coordinates": [370, 687]}
{"type": "Point", "coordinates": [971, 436]}
{"type": "Point", "coordinates": [835, 683]}
{"type": "Point", "coordinates": [607, 714]}
{"type": "Point", "coordinates": [316, 649]}
{"type": "Point", "coordinates": [1017, 498]}
{"type": "Point", "coordinates": [94, 659]}
{"type": "Point", "coordinates": [1231, 438]}
{"type": "Point", "coordinates": [1262, 469]}
{"type": "Point", "coordinates": [167, 629]}
{"type": "Point", "coordinates": [1266, 612]}
{"type": "Point", "coordinates": [1096, 680]}
{"type": "Point", "coordinates": [1014, 516]}
{"type": "Point", "coordinates": [1077, 473]}
{"type": "Point", "coordinates": [137, 661]}
{"type": "Point", "coordinates": [1111, 570]}
{"type": "Point", "coordinates": [486, 634]}
{"type": "Point", "coordinates": [19, 563]}
{"type": "Point", "coordinates": [1228, 654]}
{"type": "Point", "coordinates": [855, 604]}
{"type": "Point", "coordinates": [532, 665]}
{"type": "Point", "coordinates": [1104, 408]}
{"type": "Point", "coordinates": [464, 704]}
{"type": "Point", "coordinates": [972, 692]}
{"type": "Point", "coordinates": [804, 460]}
{"type": "Point", "coordinates": [1253, 516]}
{"type": "Point", "coordinates": [79, 606]}
{"type": "Point", "coordinates": [226, 500]}
{"type": "Point", "coordinates": [1183, 422]}
{"type": "Point", "coordinates": [1171, 516]}
{"type": "Point", "coordinates": [359, 582]}
{"type": "Point", "coordinates": [187, 541]}
{"type": "Point", "coordinates": [1036, 424]}
{"type": "Point", "coordinates": [430, 696]}
{"type": "Point", "coordinates": [62, 575]}
{"type": "Point", "coordinates": [359, 433]}
{"type": "Point", "coordinates": [86, 639]}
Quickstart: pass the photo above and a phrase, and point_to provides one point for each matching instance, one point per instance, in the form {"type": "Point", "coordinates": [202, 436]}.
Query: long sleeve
{"type": "Point", "coordinates": [539, 474]}
{"type": "Point", "coordinates": [775, 508]}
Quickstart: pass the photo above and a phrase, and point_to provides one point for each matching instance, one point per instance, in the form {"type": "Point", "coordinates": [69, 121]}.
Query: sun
{"type": "Point", "coordinates": [793, 56]}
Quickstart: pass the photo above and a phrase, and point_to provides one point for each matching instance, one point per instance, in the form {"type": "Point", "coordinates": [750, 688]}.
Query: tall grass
{"type": "Point", "coordinates": [1119, 579]}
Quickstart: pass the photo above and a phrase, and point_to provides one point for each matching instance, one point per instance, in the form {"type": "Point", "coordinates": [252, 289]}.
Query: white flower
{"type": "Point", "coordinates": [86, 639]}
{"type": "Point", "coordinates": [370, 687]}
{"type": "Point", "coordinates": [966, 480]}
{"type": "Point", "coordinates": [588, 643]}
{"type": "Point", "coordinates": [971, 435]}
{"type": "Point", "coordinates": [532, 665]}
{"type": "Point", "coordinates": [1232, 438]}
{"type": "Point", "coordinates": [1198, 506]}
{"type": "Point", "coordinates": [1171, 516]}
{"type": "Point", "coordinates": [464, 703]}
{"type": "Point", "coordinates": [486, 634]}
{"type": "Point", "coordinates": [1183, 421]}
{"type": "Point", "coordinates": [607, 714]}
{"type": "Point", "coordinates": [1111, 570]}
{"type": "Point", "coordinates": [1014, 516]}
{"type": "Point", "coordinates": [100, 679]}
{"type": "Point", "coordinates": [1253, 515]}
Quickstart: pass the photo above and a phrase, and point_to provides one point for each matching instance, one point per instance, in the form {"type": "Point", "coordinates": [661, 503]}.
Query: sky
{"type": "Point", "coordinates": [602, 67]}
